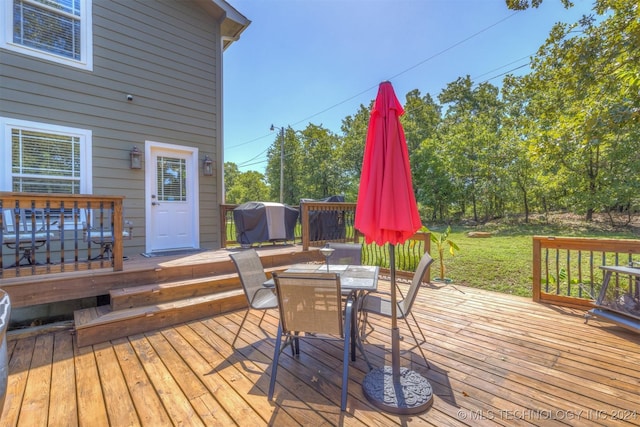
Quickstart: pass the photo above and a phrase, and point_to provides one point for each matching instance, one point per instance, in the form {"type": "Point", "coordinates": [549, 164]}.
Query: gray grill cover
{"type": "Point", "coordinates": [264, 221]}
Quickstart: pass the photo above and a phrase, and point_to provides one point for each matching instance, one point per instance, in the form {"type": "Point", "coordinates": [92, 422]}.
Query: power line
{"type": "Point", "coordinates": [250, 163]}
{"type": "Point", "coordinates": [391, 78]}
{"type": "Point", "coordinates": [453, 46]}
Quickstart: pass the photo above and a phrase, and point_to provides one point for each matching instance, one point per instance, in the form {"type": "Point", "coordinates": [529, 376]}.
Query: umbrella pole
{"type": "Point", "coordinates": [391, 388]}
{"type": "Point", "coordinates": [395, 332]}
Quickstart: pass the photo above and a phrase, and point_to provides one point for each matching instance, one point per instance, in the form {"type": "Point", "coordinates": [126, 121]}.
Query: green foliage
{"type": "Point", "coordinates": [442, 242]}
{"type": "Point", "coordinates": [526, 4]}
{"type": "Point", "coordinates": [246, 187]}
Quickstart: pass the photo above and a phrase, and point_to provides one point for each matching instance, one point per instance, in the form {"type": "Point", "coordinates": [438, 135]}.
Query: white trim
{"type": "Point", "coordinates": [194, 186]}
{"type": "Point", "coordinates": [86, 142]}
{"type": "Point", "coordinates": [86, 37]}
{"type": "Point", "coordinates": [232, 13]}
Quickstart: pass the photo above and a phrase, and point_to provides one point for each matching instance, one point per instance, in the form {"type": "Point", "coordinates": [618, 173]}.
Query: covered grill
{"type": "Point", "coordinates": [258, 222]}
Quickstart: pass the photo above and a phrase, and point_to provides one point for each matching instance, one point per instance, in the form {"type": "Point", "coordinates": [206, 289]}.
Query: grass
{"type": "Point", "coordinates": [503, 262]}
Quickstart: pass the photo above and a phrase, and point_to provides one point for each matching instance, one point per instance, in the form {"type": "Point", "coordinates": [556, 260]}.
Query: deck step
{"type": "Point", "coordinates": [99, 324]}
{"type": "Point", "coordinates": [156, 293]}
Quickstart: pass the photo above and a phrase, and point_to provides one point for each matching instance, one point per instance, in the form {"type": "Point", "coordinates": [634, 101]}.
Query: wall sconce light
{"type": "Point", "coordinates": [207, 166]}
{"type": "Point", "coordinates": [136, 158]}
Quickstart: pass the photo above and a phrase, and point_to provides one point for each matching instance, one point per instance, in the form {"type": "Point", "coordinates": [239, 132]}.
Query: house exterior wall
{"type": "Point", "coordinates": [167, 55]}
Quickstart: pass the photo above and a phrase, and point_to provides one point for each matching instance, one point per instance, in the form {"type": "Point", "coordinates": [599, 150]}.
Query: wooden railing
{"type": "Point", "coordinates": [54, 233]}
{"type": "Point", "coordinates": [407, 255]}
{"type": "Point", "coordinates": [322, 222]}
{"type": "Point", "coordinates": [566, 269]}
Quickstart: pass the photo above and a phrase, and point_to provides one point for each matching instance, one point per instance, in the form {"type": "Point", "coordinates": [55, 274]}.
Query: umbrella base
{"type": "Point", "coordinates": [408, 394]}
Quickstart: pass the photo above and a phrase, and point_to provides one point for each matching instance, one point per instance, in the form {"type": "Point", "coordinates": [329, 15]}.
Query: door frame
{"type": "Point", "coordinates": [149, 189]}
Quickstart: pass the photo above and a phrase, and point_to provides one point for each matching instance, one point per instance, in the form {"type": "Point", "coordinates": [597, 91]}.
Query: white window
{"type": "Point", "coordinates": [42, 158]}
{"type": "Point", "coordinates": [56, 30]}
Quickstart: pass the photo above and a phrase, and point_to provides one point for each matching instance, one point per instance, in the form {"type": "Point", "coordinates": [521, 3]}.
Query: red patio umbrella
{"type": "Point", "coordinates": [387, 212]}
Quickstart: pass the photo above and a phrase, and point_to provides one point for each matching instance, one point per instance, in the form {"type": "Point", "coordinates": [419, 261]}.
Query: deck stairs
{"type": "Point", "coordinates": [142, 308]}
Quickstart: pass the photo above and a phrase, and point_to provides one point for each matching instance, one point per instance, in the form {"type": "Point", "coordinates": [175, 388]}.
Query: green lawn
{"type": "Point", "coordinates": [503, 261]}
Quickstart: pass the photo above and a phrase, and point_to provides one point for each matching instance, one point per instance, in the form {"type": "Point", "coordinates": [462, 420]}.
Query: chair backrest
{"type": "Point", "coordinates": [250, 270]}
{"type": "Point", "coordinates": [310, 302]}
{"type": "Point", "coordinates": [406, 304]}
{"type": "Point", "coordinates": [38, 220]}
{"type": "Point", "coordinates": [98, 225]}
{"type": "Point", "coordinates": [31, 224]}
{"type": "Point", "coordinates": [9, 222]}
{"type": "Point", "coordinates": [345, 253]}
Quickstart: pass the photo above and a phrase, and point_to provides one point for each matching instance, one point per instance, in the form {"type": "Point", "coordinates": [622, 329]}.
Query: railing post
{"type": "Point", "coordinates": [118, 248]}
{"type": "Point", "coordinates": [537, 267]}
{"type": "Point", "coordinates": [223, 226]}
{"type": "Point", "coordinates": [304, 220]}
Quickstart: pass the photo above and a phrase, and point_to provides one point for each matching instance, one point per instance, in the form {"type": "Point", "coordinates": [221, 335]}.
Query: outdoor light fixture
{"type": "Point", "coordinates": [136, 158]}
{"type": "Point", "coordinates": [207, 166]}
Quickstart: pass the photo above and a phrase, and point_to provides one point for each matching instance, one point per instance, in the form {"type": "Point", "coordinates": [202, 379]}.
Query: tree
{"type": "Point", "coordinates": [586, 119]}
{"type": "Point", "coordinates": [515, 136]}
{"type": "Point", "coordinates": [470, 135]}
{"type": "Point", "coordinates": [247, 186]}
{"type": "Point", "coordinates": [231, 172]}
{"type": "Point", "coordinates": [322, 174]}
{"type": "Point", "coordinates": [351, 149]}
{"type": "Point", "coordinates": [422, 116]}
{"type": "Point", "coordinates": [292, 168]}
{"type": "Point", "coordinates": [525, 4]}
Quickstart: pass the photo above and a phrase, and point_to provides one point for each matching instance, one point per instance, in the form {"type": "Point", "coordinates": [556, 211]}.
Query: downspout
{"type": "Point", "coordinates": [221, 191]}
{"type": "Point", "coordinates": [222, 194]}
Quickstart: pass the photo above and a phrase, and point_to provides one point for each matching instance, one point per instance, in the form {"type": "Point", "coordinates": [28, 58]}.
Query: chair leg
{"type": "Point", "coordinates": [262, 317]}
{"type": "Point", "coordinates": [415, 339]}
{"type": "Point", "coordinates": [276, 358]}
{"type": "Point", "coordinates": [345, 359]}
{"type": "Point", "coordinates": [233, 344]}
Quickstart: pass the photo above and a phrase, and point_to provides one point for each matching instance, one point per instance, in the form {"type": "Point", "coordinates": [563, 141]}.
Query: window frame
{"type": "Point", "coordinates": [86, 37]}
{"type": "Point", "coordinates": [84, 135]}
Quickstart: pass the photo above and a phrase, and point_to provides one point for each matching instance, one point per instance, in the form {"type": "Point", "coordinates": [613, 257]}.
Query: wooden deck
{"type": "Point", "coordinates": [496, 360]}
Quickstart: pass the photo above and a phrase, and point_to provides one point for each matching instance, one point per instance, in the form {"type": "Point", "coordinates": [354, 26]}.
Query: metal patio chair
{"type": "Point", "coordinates": [310, 307]}
{"type": "Point", "coordinates": [345, 253]}
{"type": "Point", "coordinates": [252, 278]}
{"type": "Point", "coordinates": [26, 230]}
{"type": "Point", "coordinates": [376, 304]}
{"type": "Point", "coordinates": [97, 224]}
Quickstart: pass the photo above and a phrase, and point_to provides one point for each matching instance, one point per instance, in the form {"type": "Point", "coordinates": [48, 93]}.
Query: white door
{"type": "Point", "coordinates": [172, 197]}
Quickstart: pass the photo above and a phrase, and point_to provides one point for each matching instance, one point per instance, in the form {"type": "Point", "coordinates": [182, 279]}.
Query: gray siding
{"type": "Point", "coordinates": [164, 53]}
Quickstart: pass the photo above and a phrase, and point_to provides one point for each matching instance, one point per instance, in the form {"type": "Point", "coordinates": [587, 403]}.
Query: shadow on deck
{"type": "Point", "coordinates": [496, 360]}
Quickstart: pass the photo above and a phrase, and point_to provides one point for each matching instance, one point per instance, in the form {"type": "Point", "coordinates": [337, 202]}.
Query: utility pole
{"type": "Point", "coordinates": [281, 161]}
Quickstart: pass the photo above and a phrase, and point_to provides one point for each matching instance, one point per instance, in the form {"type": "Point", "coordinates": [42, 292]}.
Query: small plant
{"type": "Point", "coordinates": [442, 241]}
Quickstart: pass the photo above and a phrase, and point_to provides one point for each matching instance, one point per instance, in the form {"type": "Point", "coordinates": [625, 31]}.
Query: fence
{"type": "Point", "coordinates": [566, 270]}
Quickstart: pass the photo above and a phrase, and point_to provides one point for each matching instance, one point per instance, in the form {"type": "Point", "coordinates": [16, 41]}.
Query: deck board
{"type": "Point", "coordinates": [495, 360]}
{"type": "Point", "coordinates": [63, 410]}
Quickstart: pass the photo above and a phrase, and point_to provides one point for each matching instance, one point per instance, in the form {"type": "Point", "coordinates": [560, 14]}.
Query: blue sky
{"type": "Point", "coordinates": [317, 61]}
